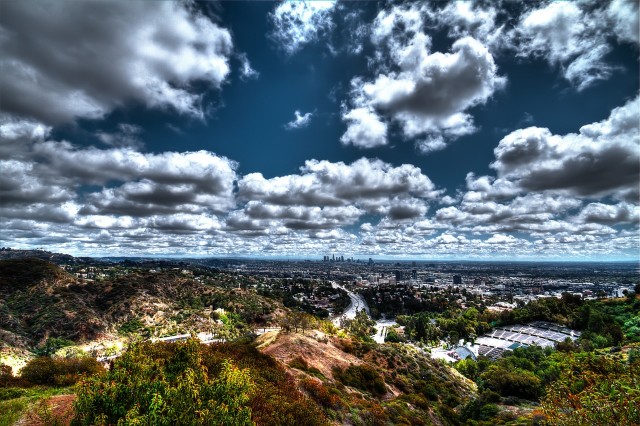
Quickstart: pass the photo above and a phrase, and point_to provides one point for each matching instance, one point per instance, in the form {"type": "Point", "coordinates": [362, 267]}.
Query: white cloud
{"type": "Point", "coordinates": [297, 23]}
{"type": "Point", "coordinates": [609, 214]}
{"type": "Point", "coordinates": [133, 183]}
{"type": "Point", "coordinates": [21, 184]}
{"type": "Point", "coordinates": [300, 120]}
{"type": "Point", "coordinates": [257, 215]}
{"type": "Point", "coordinates": [569, 37]}
{"type": "Point", "coordinates": [365, 129]}
{"type": "Point", "coordinates": [465, 18]}
{"type": "Point", "coordinates": [12, 129]}
{"type": "Point", "coordinates": [426, 93]}
{"type": "Point", "coordinates": [246, 71]}
{"type": "Point", "coordinates": [624, 16]}
{"type": "Point", "coordinates": [543, 181]}
{"type": "Point", "coordinates": [85, 60]}
{"type": "Point", "coordinates": [322, 183]}
{"type": "Point", "coordinates": [603, 159]}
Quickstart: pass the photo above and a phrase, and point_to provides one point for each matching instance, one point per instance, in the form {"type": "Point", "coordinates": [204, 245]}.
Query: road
{"type": "Point", "coordinates": [358, 303]}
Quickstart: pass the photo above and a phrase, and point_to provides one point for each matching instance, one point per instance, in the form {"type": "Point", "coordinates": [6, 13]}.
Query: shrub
{"type": "Point", "coordinates": [362, 377]}
{"type": "Point", "coordinates": [167, 390]}
{"type": "Point", "coordinates": [594, 390]}
{"type": "Point", "coordinates": [59, 372]}
{"type": "Point", "coordinates": [300, 364]}
{"type": "Point", "coordinates": [515, 382]}
{"type": "Point", "coordinates": [321, 394]}
{"type": "Point", "coordinates": [191, 384]}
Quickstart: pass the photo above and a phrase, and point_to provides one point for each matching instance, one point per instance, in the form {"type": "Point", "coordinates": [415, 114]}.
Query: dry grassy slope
{"type": "Point", "coordinates": [40, 300]}
{"type": "Point", "coordinates": [313, 347]}
{"type": "Point", "coordinates": [405, 369]}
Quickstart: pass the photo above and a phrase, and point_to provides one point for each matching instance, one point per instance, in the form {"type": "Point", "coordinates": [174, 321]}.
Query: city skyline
{"type": "Point", "coordinates": [417, 131]}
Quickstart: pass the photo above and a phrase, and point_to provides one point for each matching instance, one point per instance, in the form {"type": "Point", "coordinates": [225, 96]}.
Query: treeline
{"type": "Point", "coordinates": [399, 301]}
{"type": "Point", "coordinates": [572, 388]}
{"type": "Point", "coordinates": [451, 325]}
{"type": "Point", "coordinates": [603, 323]}
{"type": "Point", "coordinates": [48, 371]}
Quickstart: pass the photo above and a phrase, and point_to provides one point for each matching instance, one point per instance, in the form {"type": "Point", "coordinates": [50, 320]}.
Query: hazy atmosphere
{"type": "Point", "coordinates": [447, 130]}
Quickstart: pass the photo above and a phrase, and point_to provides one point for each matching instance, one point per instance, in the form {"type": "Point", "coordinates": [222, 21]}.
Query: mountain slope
{"type": "Point", "coordinates": [39, 300]}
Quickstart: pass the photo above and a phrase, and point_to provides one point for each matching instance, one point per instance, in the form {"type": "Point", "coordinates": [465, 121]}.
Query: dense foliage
{"type": "Point", "coordinates": [361, 326]}
{"type": "Point", "coordinates": [165, 386]}
{"type": "Point", "coordinates": [594, 390]}
{"type": "Point", "coordinates": [191, 384]}
{"type": "Point", "coordinates": [451, 325]}
{"type": "Point", "coordinates": [59, 371]}
{"type": "Point", "coordinates": [591, 381]}
{"type": "Point", "coordinates": [362, 377]}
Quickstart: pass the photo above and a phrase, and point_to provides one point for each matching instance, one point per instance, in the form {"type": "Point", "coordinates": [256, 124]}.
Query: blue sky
{"type": "Point", "coordinates": [462, 130]}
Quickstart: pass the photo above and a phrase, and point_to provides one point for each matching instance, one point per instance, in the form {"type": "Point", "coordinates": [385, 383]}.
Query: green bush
{"type": "Point", "coordinates": [11, 393]}
{"type": "Point", "coordinates": [130, 326]}
{"type": "Point", "coordinates": [52, 345]}
{"type": "Point", "coordinates": [362, 377]}
{"type": "Point", "coordinates": [594, 390]}
{"type": "Point", "coordinates": [191, 384]}
{"type": "Point", "coordinates": [512, 382]}
{"type": "Point", "coordinates": [168, 390]}
{"type": "Point", "coordinates": [59, 372]}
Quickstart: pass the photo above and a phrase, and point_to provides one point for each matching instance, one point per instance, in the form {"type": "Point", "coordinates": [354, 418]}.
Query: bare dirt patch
{"type": "Point", "coordinates": [318, 353]}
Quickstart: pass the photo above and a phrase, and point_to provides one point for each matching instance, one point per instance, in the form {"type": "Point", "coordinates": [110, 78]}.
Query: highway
{"type": "Point", "coordinates": [357, 304]}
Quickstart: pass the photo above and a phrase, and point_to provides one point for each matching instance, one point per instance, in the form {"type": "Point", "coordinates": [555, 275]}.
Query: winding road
{"type": "Point", "coordinates": [357, 304]}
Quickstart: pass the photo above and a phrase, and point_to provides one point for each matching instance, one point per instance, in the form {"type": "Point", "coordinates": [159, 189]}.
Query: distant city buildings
{"type": "Point", "coordinates": [335, 258]}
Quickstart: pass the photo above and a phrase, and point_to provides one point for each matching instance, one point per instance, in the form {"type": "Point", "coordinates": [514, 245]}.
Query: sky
{"type": "Point", "coordinates": [411, 130]}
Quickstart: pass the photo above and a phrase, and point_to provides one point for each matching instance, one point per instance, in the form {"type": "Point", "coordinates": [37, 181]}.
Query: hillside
{"type": "Point", "coordinates": [39, 300]}
{"type": "Point", "coordinates": [360, 383]}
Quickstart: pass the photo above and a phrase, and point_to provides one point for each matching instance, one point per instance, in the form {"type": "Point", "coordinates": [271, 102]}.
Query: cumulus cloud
{"type": "Point", "coordinates": [575, 36]}
{"type": "Point", "coordinates": [365, 129]}
{"type": "Point", "coordinates": [263, 216]}
{"type": "Point", "coordinates": [297, 23]}
{"type": "Point", "coordinates": [623, 16]}
{"type": "Point", "coordinates": [544, 180]}
{"type": "Point", "coordinates": [602, 159]}
{"type": "Point", "coordinates": [609, 214]}
{"type": "Point", "coordinates": [134, 183]}
{"type": "Point", "coordinates": [20, 183]}
{"type": "Point", "coordinates": [426, 93]}
{"type": "Point", "coordinates": [12, 129]}
{"type": "Point", "coordinates": [464, 18]}
{"type": "Point", "coordinates": [299, 121]}
{"type": "Point", "coordinates": [323, 183]}
{"type": "Point", "coordinates": [332, 195]}
{"type": "Point", "coordinates": [204, 170]}
{"type": "Point", "coordinates": [60, 63]}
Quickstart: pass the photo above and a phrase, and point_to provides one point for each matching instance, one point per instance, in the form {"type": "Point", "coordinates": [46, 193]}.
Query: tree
{"type": "Point", "coordinates": [165, 384]}
{"type": "Point", "coordinates": [45, 370]}
{"type": "Point", "coordinates": [594, 390]}
{"type": "Point", "coordinates": [361, 326]}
